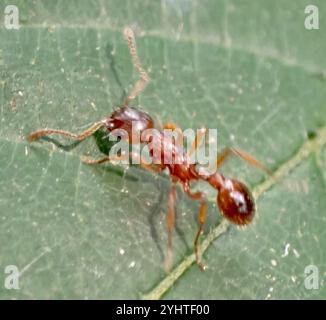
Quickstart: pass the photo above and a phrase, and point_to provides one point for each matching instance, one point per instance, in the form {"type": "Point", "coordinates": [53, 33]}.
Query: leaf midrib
{"type": "Point", "coordinates": [307, 148]}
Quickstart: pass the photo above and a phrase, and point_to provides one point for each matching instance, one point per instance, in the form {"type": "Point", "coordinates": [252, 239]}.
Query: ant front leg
{"type": "Point", "coordinates": [150, 167]}
{"type": "Point", "coordinates": [199, 196]}
{"type": "Point", "coordinates": [102, 160]}
{"type": "Point", "coordinates": [144, 78]}
{"type": "Point", "coordinates": [83, 135]}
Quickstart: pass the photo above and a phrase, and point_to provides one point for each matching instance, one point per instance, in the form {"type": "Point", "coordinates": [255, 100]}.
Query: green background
{"type": "Point", "coordinates": [248, 68]}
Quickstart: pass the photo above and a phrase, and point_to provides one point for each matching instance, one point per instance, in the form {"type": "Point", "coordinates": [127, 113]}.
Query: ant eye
{"type": "Point", "coordinates": [236, 202]}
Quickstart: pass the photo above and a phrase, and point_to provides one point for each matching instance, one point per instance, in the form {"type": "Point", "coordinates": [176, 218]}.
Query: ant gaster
{"type": "Point", "coordinates": [234, 199]}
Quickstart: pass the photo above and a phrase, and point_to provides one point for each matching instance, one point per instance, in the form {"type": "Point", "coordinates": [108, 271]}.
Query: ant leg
{"type": "Point", "coordinates": [139, 159]}
{"type": "Point", "coordinates": [172, 126]}
{"type": "Point", "coordinates": [44, 132]}
{"type": "Point", "coordinates": [144, 78]}
{"type": "Point", "coordinates": [199, 196]}
{"type": "Point", "coordinates": [200, 133]}
{"type": "Point", "coordinates": [143, 164]}
{"type": "Point", "coordinates": [170, 223]}
{"type": "Point", "coordinates": [226, 153]}
{"type": "Point", "coordinates": [102, 160]}
{"type": "Point", "coordinates": [194, 146]}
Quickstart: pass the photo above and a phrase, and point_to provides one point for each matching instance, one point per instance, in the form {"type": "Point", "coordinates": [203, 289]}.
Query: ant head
{"type": "Point", "coordinates": [236, 202]}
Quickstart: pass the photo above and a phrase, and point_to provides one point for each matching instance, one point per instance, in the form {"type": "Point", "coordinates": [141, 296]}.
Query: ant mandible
{"type": "Point", "coordinates": [234, 199]}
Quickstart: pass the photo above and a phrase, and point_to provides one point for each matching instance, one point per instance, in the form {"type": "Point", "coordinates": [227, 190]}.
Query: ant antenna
{"type": "Point", "coordinates": [144, 78]}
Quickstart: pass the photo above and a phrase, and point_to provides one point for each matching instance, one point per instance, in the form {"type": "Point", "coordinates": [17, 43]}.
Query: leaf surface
{"type": "Point", "coordinates": [248, 68]}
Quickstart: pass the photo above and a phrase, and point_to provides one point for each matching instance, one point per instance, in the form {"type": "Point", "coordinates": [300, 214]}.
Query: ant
{"type": "Point", "coordinates": [234, 199]}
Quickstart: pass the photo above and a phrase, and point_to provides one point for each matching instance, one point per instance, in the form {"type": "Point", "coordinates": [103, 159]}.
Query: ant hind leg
{"type": "Point", "coordinates": [170, 223]}
{"type": "Point", "coordinates": [199, 196]}
{"type": "Point", "coordinates": [228, 152]}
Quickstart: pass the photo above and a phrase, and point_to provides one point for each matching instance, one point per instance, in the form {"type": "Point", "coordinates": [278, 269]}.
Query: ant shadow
{"type": "Point", "coordinates": [58, 144]}
{"type": "Point", "coordinates": [162, 185]}
{"type": "Point", "coordinates": [156, 213]}
{"type": "Point", "coordinates": [109, 49]}
{"type": "Point", "coordinates": [104, 145]}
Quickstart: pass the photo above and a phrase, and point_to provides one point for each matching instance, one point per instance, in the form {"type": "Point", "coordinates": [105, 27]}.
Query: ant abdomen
{"type": "Point", "coordinates": [236, 202]}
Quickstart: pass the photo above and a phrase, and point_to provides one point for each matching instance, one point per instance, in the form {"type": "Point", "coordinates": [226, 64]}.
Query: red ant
{"type": "Point", "coordinates": [234, 199]}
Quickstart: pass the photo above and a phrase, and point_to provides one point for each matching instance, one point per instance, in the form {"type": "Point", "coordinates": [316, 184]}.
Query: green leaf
{"type": "Point", "coordinates": [248, 68]}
